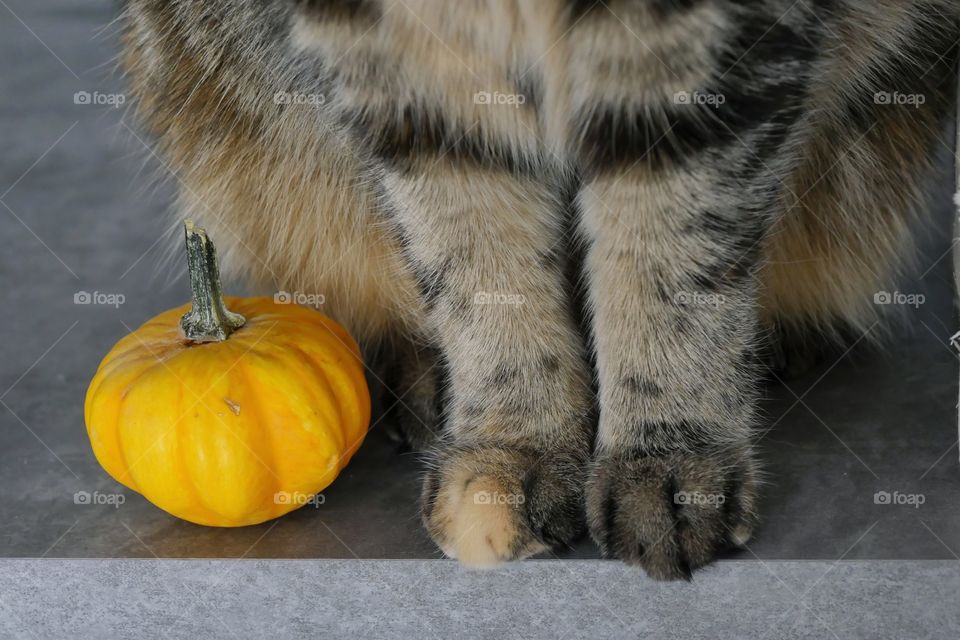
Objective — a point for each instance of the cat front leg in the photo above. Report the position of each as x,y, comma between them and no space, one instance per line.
506,480
675,329
682,153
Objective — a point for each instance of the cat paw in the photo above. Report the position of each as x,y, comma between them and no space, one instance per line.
671,513
488,505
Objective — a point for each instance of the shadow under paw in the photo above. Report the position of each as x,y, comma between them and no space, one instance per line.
488,505
672,513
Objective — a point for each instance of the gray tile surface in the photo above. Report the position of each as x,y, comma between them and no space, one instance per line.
82,211
436,599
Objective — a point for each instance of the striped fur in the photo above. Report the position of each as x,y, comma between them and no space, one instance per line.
711,172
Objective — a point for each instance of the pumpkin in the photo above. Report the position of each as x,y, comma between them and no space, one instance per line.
229,417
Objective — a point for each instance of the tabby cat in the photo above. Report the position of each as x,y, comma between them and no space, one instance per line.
577,223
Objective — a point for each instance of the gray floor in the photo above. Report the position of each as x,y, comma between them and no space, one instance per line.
82,211
414,599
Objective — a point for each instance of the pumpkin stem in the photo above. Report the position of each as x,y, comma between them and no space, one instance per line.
209,320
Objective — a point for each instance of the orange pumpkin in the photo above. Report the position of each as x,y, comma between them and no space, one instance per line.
228,419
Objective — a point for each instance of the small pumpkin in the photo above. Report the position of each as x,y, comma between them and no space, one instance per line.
228,417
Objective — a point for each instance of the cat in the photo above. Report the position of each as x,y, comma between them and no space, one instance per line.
572,226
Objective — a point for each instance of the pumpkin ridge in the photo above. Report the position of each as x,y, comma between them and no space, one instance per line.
121,353
164,322
211,508
121,446
260,424
180,460
321,375
343,337
124,461
90,402
354,390
357,382
137,355
145,369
